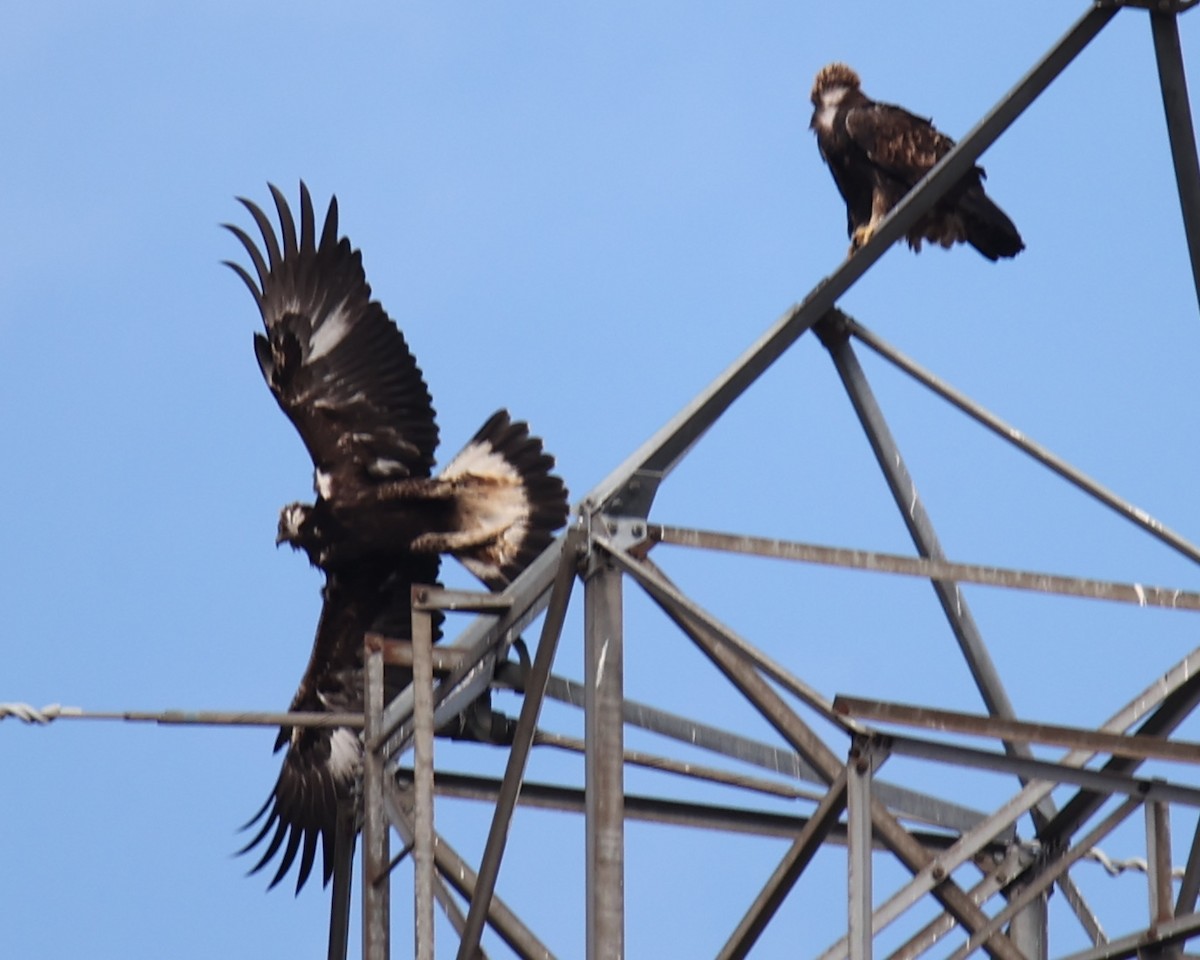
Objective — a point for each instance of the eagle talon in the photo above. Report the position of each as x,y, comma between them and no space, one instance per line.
861,237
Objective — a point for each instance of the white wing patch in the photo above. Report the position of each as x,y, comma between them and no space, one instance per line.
493,506
345,753
329,333
324,483
481,460
386,467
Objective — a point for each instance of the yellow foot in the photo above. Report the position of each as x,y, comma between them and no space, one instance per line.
860,236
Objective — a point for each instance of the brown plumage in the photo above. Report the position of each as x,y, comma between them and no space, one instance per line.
342,372
877,152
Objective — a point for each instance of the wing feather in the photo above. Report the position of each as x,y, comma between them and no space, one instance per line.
286,223
265,228
338,366
320,770
901,144
260,266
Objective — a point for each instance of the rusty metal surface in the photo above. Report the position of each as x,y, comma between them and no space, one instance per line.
784,877
422,687
603,763
859,772
870,560
716,643
518,756
903,802
1040,881
1147,702
457,873
678,813
1076,738
376,890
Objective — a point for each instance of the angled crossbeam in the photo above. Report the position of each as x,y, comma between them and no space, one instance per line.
1164,26
1045,877
903,802
717,643
514,774
784,877
631,487
1007,432
970,843
458,874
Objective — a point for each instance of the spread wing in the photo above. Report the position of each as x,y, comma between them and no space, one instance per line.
508,503
321,767
336,363
901,144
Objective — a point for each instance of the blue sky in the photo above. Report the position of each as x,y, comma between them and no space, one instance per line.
582,213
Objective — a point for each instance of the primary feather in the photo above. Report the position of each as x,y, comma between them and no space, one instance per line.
343,374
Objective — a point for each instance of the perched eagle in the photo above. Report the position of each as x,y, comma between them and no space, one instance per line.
877,152
341,371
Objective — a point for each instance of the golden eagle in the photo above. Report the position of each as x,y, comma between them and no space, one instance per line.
342,372
877,152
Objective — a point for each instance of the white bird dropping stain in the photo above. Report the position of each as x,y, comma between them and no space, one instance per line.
600,664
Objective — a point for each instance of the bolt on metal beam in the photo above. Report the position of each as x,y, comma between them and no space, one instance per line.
1076,738
1135,944
859,771
1045,877
1171,712
994,880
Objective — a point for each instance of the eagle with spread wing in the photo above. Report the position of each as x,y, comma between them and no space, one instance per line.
342,372
877,152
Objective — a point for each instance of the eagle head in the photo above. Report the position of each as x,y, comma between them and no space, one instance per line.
292,522
829,78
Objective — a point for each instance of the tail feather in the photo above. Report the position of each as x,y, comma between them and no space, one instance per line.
509,503
989,230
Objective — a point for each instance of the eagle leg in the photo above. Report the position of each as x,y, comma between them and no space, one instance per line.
860,237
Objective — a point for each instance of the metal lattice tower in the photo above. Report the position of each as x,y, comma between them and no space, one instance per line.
831,749
610,541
